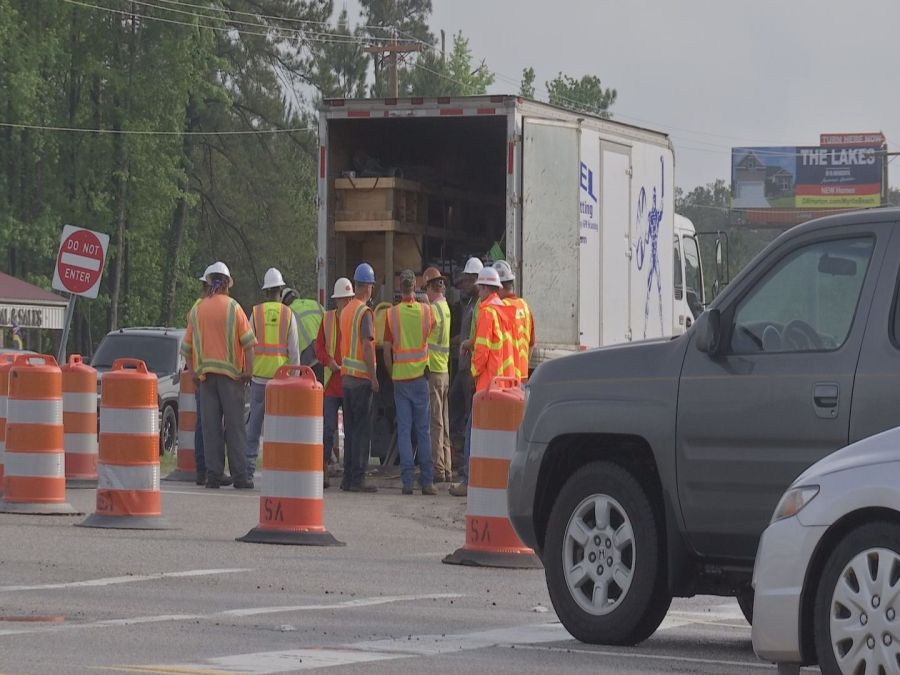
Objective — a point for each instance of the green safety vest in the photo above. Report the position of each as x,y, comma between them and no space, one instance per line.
439,339
309,315
410,324
272,322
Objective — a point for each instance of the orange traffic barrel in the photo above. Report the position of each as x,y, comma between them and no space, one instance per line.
79,386
6,361
490,539
34,477
291,507
186,465
128,468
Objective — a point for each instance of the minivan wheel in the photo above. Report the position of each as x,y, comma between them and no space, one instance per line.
168,431
602,558
857,610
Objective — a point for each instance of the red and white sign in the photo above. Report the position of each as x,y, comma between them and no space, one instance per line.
859,140
79,263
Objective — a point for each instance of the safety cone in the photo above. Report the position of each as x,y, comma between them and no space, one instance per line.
128,469
291,508
186,464
6,361
490,538
34,480
79,384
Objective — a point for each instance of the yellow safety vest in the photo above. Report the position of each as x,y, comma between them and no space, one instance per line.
309,315
439,339
329,329
410,324
272,323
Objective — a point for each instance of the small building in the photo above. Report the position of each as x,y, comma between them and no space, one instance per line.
32,309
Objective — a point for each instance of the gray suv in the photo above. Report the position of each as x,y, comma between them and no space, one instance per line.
160,349
650,470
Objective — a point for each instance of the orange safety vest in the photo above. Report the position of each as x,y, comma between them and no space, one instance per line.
352,362
522,336
494,354
410,324
329,329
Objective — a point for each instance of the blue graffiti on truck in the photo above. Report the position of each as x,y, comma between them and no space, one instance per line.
650,239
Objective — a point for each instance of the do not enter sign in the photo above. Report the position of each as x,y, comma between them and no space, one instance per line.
79,262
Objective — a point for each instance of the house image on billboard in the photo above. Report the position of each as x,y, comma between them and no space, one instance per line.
749,189
779,182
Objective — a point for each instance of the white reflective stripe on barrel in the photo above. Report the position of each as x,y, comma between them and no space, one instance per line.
187,403
487,502
292,484
492,444
129,420
80,444
293,429
79,402
35,464
25,411
116,477
185,440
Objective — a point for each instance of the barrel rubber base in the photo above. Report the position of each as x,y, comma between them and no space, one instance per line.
126,522
471,558
31,508
289,538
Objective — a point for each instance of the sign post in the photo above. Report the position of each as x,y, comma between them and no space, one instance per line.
78,270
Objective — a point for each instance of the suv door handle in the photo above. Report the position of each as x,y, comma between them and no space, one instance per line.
825,398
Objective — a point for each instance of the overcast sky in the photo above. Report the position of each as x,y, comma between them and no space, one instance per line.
711,73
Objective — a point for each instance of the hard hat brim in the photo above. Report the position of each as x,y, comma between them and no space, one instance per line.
341,296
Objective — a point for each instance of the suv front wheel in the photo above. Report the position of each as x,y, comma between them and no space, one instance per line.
168,431
602,558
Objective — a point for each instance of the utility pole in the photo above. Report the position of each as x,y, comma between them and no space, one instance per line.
390,51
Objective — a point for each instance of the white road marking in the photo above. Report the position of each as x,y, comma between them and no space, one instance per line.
637,656
111,581
249,611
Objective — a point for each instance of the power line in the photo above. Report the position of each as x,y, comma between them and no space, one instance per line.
148,132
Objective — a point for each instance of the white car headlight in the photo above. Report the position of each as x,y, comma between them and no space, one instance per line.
793,501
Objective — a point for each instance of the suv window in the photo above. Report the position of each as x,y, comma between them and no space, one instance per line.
806,303
694,276
159,353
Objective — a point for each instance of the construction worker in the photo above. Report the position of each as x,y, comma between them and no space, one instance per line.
219,342
492,354
328,352
409,324
439,374
462,388
309,315
277,345
358,378
523,337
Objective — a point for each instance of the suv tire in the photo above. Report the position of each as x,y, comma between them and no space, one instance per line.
168,431
858,573
598,603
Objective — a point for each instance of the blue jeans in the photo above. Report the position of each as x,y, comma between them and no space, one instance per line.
330,426
255,425
411,400
199,459
464,469
357,432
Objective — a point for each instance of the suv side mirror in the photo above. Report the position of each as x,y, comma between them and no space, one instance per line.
708,332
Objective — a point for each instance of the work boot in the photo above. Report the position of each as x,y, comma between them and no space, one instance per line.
429,490
213,483
407,490
226,480
363,487
201,478
459,490
243,485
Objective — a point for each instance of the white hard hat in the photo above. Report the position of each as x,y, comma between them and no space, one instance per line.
504,271
488,277
473,266
342,289
219,268
203,276
273,279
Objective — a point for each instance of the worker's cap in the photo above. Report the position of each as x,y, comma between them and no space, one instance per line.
407,280
273,279
488,277
473,266
342,289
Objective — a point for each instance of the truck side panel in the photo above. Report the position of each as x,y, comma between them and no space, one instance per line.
615,195
591,249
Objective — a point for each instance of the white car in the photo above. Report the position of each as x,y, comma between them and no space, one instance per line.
827,573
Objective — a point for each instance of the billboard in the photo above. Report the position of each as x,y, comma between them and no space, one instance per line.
831,177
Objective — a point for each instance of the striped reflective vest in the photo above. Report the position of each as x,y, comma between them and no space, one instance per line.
353,363
330,329
439,339
522,334
410,324
493,355
272,323
309,315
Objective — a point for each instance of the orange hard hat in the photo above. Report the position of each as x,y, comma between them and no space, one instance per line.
432,274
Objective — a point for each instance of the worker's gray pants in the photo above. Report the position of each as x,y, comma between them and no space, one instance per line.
222,412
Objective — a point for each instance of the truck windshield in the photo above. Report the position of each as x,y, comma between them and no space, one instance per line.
693,275
159,353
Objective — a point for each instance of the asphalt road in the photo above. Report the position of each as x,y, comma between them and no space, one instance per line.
193,600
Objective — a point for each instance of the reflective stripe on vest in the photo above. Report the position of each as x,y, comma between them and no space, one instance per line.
352,363
309,316
330,332
439,340
522,337
272,321
201,361
410,324
501,362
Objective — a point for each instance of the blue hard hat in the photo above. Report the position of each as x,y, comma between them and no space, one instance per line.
364,274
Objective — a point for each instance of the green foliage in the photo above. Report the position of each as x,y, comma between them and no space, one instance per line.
584,95
526,89
451,75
